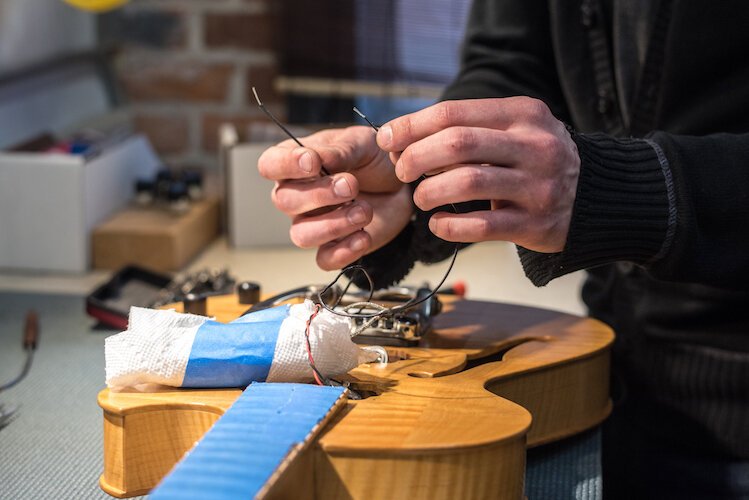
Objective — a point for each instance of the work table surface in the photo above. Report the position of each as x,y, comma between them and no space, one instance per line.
53,449
491,271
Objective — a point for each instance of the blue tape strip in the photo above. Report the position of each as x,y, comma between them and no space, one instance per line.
234,354
242,450
272,314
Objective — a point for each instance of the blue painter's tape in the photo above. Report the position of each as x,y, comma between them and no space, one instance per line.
234,354
272,314
242,450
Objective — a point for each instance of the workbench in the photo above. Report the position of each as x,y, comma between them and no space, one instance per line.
53,449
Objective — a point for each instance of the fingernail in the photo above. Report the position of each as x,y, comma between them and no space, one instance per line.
386,136
341,188
356,215
305,162
358,244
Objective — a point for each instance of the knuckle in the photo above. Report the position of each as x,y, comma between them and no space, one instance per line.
535,109
473,180
461,139
406,164
422,198
445,114
323,261
297,237
280,200
484,229
545,196
264,164
328,232
548,147
403,133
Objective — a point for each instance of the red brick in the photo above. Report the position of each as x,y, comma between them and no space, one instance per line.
176,81
212,122
263,78
240,31
169,133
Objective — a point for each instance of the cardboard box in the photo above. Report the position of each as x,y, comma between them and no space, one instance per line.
155,238
49,203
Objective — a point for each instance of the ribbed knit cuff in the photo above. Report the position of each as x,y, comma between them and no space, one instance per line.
624,209
391,263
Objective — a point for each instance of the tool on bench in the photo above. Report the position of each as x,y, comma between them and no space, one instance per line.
30,337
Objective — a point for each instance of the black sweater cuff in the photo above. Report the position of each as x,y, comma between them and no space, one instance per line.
387,265
391,263
623,210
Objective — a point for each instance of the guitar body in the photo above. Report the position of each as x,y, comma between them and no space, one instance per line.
451,418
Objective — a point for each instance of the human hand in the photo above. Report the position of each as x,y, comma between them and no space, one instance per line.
511,151
357,209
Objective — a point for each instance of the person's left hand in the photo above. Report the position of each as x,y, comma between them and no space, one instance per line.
510,151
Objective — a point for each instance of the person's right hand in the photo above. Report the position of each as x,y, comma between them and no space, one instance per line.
357,209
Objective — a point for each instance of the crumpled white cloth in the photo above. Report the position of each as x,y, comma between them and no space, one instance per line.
155,349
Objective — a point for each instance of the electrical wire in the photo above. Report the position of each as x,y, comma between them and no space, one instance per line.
30,337
275,120
380,311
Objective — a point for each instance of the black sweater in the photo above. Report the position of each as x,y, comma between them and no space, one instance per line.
662,199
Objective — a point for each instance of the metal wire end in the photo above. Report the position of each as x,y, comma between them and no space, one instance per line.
375,127
323,170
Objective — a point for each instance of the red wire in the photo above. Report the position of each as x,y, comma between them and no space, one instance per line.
309,347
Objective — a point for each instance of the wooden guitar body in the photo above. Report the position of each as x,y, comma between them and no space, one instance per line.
451,418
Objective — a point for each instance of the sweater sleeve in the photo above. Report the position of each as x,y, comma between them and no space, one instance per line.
673,204
507,52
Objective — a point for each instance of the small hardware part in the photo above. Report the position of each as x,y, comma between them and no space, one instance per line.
172,190
403,328
203,283
400,328
195,304
248,292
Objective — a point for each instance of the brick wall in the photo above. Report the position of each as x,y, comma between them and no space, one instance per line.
186,66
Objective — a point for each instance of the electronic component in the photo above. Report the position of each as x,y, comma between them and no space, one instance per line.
399,327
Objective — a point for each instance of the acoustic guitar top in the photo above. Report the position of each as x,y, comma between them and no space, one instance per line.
450,418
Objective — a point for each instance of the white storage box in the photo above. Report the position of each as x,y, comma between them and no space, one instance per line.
252,220
49,203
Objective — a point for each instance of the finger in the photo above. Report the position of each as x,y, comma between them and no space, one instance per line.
488,225
335,150
315,231
498,114
351,148
339,254
280,163
298,197
458,145
468,183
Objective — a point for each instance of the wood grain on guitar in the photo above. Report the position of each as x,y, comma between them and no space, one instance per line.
451,418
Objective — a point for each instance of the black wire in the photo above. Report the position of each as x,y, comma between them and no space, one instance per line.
282,127
358,267
24,371
375,127
412,302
